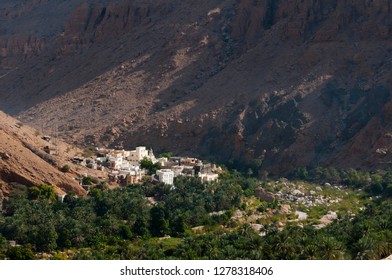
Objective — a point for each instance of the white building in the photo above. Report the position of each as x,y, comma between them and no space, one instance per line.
152,157
166,176
177,170
208,177
162,161
115,162
133,173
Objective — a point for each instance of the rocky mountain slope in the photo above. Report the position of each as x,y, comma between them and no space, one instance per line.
23,161
272,84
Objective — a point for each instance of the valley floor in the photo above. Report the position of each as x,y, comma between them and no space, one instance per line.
233,218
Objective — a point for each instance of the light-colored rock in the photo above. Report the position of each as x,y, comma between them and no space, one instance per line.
279,224
297,193
301,215
257,228
198,229
253,218
329,218
285,209
218,213
388,258
319,226
237,214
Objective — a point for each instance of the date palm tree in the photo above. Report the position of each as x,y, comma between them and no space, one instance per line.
330,248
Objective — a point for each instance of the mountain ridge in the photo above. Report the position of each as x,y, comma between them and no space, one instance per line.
273,85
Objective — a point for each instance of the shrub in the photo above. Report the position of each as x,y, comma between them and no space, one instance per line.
41,191
65,168
20,253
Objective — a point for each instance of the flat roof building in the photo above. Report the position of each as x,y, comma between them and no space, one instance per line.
166,176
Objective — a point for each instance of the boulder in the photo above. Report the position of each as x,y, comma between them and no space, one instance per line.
297,193
237,214
279,224
264,195
301,215
285,209
329,218
388,258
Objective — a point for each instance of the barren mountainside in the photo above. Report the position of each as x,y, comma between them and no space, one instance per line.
23,160
273,84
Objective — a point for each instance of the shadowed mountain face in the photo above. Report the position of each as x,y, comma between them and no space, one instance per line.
275,85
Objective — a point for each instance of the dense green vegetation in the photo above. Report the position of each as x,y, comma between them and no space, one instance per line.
366,237
151,167
192,221
375,183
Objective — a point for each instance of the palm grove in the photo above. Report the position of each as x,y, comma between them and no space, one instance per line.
156,221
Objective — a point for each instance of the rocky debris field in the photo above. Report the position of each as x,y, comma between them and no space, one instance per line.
281,202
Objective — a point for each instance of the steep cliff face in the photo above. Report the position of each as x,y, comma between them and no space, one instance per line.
332,113
317,20
93,23
34,27
272,84
17,50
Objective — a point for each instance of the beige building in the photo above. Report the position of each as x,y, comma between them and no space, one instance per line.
208,177
135,156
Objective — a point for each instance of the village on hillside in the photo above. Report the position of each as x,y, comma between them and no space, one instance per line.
131,167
